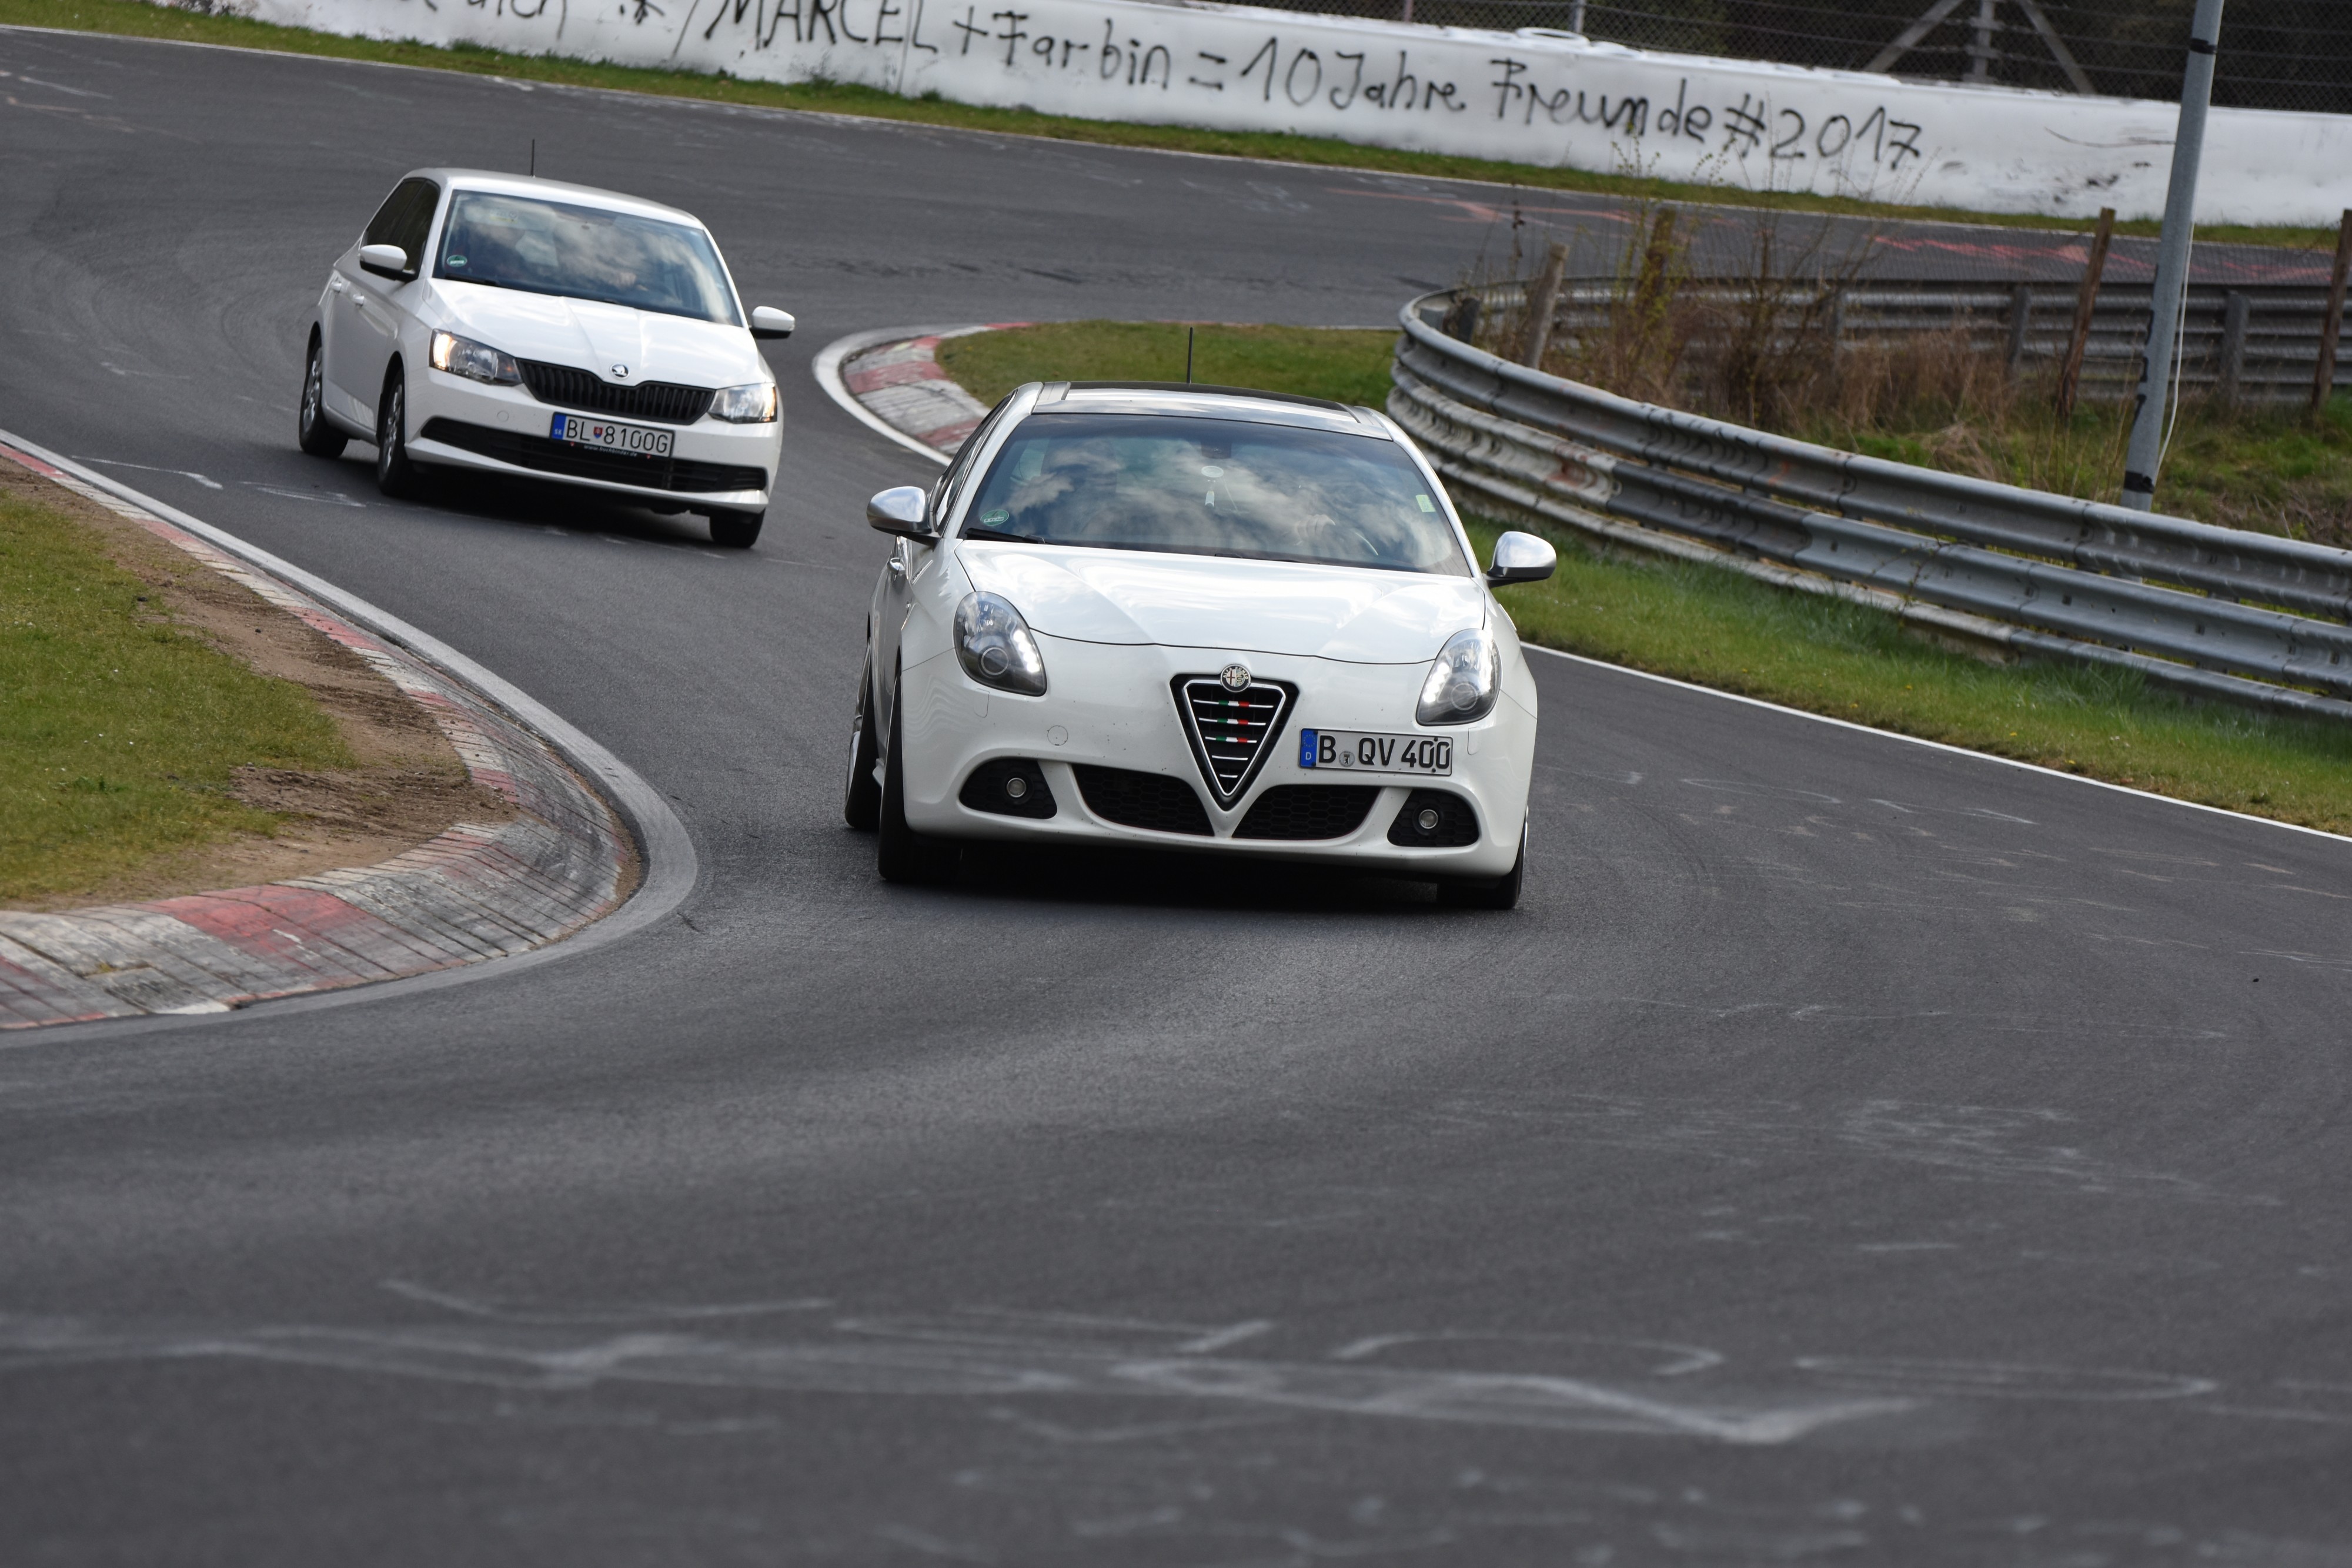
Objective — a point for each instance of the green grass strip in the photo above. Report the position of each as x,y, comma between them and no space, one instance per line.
1716,627
1347,367
135,19
119,733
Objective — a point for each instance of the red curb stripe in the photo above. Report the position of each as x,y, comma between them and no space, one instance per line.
863,381
947,435
296,927
29,460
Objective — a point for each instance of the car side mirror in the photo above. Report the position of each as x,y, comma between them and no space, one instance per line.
767,321
1521,558
904,510
385,261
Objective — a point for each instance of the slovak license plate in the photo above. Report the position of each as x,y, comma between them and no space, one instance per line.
1431,755
581,430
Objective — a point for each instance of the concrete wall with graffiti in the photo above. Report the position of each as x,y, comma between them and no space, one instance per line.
1523,97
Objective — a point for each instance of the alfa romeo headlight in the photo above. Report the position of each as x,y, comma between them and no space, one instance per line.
995,647
1464,683
474,361
753,405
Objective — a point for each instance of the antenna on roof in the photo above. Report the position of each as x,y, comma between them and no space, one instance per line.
534,156
1188,356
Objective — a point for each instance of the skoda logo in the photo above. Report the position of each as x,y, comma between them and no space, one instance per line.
1236,677
620,371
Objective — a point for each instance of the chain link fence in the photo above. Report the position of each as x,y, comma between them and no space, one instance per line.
2275,54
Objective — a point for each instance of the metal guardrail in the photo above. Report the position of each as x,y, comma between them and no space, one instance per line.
2244,343
2221,612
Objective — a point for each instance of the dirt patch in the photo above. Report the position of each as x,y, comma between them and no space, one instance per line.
408,788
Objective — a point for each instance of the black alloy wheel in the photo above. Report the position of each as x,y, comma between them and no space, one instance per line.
1489,893
311,430
861,797
736,530
900,854
396,475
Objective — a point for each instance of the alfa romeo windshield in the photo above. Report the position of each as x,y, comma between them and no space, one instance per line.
1214,486
585,253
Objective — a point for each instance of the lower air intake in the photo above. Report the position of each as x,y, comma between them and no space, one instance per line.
1434,820
1009,786
1309,811
1151,801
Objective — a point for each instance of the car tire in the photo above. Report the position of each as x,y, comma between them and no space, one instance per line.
311,430
396,475
736,530
1489,893
861,797
900,854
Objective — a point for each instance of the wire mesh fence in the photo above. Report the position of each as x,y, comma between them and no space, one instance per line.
2275,54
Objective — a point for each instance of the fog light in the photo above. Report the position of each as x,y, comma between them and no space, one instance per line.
1017,787
1427,821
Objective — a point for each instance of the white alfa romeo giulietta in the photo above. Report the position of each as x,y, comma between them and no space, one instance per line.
549,331
1197,618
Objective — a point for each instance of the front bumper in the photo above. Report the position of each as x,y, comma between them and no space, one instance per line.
461,424
1113,706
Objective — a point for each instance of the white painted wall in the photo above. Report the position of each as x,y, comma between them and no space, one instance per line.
1528,98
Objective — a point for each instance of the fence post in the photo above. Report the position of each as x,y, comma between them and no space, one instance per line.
2331,325
1461,322
2020,323
1543,304
2070,374
2236,307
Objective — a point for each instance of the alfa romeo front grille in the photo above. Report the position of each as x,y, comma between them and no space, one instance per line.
1135,799
1233,731
567,386
1309,811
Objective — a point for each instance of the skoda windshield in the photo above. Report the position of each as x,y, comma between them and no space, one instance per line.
1190,485
585,253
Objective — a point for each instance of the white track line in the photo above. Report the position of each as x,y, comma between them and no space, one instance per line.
670,864
1935,744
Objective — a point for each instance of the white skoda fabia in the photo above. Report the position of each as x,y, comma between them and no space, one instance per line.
1195,617
550,331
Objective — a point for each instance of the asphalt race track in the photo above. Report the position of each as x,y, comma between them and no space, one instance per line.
1848,1149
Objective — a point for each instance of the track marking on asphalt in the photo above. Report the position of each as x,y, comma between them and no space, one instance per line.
209,484
1935,744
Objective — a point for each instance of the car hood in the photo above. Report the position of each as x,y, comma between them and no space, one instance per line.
1208,602
593,336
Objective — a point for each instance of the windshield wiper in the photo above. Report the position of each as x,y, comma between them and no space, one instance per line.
973,531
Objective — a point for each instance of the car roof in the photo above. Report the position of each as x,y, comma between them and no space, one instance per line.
1203,401
554,190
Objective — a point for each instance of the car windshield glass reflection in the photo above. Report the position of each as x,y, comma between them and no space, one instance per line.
585,253
1214,486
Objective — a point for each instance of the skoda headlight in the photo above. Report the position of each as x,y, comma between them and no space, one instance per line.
995,647
753,404
1464,681
474,361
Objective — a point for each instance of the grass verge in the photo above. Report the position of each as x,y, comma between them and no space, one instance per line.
2277,471
119,732
1347,366
1716,628
135,19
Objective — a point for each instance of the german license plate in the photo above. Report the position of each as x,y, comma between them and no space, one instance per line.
581,430
1348,751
